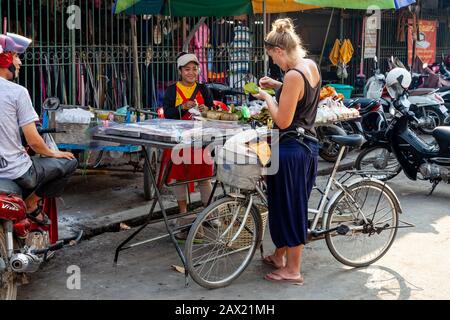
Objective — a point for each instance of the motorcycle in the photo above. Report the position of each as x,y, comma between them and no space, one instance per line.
432,161
431,110
25,245
418,159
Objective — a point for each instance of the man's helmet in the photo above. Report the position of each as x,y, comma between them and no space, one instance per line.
397,80
9,45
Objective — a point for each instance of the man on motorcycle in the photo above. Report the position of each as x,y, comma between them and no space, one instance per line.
43,176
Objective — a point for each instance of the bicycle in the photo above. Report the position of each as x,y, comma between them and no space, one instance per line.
347,221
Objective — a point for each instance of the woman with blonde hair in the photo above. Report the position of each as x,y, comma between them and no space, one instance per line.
289,189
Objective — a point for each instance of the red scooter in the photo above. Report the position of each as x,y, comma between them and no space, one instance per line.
24,245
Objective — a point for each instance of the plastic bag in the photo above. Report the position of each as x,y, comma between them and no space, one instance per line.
77,115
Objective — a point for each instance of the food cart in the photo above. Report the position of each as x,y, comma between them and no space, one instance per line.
167,134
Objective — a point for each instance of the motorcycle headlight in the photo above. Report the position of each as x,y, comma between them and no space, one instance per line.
392,111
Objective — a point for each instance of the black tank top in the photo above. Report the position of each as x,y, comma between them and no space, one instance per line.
306,111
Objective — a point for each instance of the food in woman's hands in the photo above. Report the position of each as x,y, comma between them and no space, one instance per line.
270,91
252,88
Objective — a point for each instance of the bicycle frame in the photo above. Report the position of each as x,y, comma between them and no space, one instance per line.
317,213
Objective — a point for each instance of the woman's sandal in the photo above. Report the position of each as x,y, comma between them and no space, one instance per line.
33,217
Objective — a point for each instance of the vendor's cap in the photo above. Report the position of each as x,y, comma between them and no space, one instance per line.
13,43
184,59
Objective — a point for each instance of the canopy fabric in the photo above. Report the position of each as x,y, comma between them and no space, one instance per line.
139,6
207,8
278,6
185,8
358,4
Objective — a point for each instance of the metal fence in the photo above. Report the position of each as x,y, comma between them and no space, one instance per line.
83,54
91,63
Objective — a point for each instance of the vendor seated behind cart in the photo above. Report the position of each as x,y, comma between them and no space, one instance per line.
179,98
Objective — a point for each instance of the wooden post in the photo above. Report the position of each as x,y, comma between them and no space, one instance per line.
136,75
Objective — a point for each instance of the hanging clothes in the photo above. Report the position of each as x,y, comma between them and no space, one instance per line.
403,17
200,42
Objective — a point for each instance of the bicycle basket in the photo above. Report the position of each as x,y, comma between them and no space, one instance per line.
233,173
245,238
237,165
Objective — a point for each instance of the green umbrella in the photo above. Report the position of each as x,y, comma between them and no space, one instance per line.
185,8
359,4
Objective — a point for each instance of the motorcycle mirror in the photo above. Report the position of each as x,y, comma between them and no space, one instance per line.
425,65
51,104
392,110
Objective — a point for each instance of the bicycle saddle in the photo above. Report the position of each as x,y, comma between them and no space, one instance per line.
353,140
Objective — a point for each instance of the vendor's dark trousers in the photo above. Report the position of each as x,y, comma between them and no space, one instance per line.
47,177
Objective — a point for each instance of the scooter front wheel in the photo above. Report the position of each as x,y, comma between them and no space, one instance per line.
379,163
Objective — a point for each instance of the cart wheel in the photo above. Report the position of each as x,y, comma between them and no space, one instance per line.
149,191
90,159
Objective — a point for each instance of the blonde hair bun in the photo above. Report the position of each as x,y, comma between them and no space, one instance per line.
283,25
283,35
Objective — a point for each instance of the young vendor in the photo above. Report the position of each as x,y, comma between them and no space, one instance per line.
179,98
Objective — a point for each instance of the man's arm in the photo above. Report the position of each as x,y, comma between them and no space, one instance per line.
38,145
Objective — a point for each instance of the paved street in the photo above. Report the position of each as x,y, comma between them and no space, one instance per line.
416,266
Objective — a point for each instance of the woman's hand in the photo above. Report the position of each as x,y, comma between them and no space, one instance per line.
262,95
188,105
269,83
203,108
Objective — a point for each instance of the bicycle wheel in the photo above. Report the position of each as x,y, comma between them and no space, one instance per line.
378,158
214,259
357,243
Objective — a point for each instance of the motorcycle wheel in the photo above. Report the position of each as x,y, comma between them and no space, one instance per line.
437,117
329,150
372,159
8,282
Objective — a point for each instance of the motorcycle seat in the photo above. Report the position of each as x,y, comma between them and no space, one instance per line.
443,89
421,91
366,104
442,134
353,140
10,187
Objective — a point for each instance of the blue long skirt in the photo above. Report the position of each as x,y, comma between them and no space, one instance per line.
289,191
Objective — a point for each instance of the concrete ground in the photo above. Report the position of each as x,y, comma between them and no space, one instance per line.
416,266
